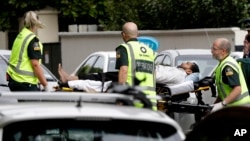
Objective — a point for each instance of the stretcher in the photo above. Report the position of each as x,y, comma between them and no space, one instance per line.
175,97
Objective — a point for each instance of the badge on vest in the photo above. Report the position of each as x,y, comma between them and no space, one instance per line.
36,47
118,55
229,71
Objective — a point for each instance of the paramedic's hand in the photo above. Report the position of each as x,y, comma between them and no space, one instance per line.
46,89
217,106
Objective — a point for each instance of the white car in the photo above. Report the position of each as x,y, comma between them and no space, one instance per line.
237,54
102,61
4,57
37,116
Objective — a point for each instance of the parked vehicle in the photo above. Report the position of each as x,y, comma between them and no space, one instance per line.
101,61
104,61
4,57
82,116
237,54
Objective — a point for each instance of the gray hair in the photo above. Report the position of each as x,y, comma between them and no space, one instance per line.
225,44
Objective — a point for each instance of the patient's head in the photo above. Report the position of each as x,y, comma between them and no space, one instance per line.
189,67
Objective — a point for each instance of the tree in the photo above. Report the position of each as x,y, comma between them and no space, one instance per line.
11,10
183,14
116,12
148,14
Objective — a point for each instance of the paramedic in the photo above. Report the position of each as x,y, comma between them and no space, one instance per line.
229,79
135,61
24,70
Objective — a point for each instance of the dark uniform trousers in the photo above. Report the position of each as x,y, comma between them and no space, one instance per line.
17,86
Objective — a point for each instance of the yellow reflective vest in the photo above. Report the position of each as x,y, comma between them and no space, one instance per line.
19,67
224,89
141,67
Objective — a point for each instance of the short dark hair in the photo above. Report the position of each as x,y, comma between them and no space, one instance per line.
195,67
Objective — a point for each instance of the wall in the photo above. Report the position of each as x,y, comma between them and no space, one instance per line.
3,40
77,46
49,17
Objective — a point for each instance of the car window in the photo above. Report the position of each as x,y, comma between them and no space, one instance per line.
86,67
206,63
167,61
159,59
163,60
98,66
87,130
48,75
111,65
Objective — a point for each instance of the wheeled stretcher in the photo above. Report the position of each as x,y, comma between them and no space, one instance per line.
175,97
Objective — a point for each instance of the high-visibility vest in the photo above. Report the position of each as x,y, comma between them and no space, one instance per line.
224,89
19,67
141,67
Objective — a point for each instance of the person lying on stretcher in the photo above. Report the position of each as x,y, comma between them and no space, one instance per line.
187,71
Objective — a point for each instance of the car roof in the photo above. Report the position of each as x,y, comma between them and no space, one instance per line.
5,51
237,54
187,51
109,53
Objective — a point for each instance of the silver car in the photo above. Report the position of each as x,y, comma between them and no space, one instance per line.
81,117
4,57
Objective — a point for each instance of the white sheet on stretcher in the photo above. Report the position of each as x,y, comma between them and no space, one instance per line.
181,88
89,85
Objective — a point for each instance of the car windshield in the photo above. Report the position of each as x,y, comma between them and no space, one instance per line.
206,63
87,130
